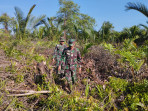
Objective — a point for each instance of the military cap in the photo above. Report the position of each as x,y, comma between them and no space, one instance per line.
62,39
71,42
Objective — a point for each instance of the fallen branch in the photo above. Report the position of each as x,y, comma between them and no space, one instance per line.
27,92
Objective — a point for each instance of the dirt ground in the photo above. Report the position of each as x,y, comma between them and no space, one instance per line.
97,66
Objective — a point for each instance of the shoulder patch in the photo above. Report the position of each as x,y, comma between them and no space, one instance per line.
77,49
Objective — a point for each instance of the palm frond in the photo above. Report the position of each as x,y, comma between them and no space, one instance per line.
146,27
38,21
19,14
45,23
59,23
51,20
137,6
28,15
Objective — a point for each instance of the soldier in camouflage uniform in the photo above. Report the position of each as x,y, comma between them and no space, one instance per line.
71,57
58,53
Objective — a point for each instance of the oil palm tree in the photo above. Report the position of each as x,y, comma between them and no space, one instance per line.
51,28
142,9
106,31
137,6
23,22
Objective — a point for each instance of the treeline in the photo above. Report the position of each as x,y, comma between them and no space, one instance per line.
71,23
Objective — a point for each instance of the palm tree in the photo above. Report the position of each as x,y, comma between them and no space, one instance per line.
106,31
51,28
137,6
23,22
142,9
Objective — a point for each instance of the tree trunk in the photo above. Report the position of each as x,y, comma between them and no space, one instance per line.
65,29
6,28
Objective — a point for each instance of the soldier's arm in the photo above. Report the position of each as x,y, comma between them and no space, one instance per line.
79,58
62,61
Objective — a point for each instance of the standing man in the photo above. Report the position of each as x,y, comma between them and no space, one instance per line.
58,53
71,57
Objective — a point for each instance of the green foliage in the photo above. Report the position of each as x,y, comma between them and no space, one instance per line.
39,58
118,85
19,78
137,96
11,103
79,26
134,95
128,53
2,84
85,49
87,90
1,100
23,22
11,68
75,24
133,61
19,105
106,32
45,83
109,47
107,96
6,21
61,101
138,7
128,44
10,49
101,92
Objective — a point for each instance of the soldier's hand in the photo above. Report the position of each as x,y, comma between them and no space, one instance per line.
53,60
79,70
59,68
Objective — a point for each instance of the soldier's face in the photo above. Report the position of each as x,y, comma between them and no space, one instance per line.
61,42
72,46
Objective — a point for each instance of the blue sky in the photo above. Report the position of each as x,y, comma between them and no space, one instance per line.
101,10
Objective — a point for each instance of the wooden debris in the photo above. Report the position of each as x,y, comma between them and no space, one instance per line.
26,92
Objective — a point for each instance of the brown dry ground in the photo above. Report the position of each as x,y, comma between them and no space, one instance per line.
97,66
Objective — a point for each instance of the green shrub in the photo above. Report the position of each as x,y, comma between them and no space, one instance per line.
39,58
118,85
19,78
136,96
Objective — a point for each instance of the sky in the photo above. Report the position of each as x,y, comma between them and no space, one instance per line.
101,10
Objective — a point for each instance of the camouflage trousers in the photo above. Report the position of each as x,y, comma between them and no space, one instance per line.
59,73
70,74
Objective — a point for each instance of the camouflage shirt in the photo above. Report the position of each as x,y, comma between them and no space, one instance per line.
71,57
58,51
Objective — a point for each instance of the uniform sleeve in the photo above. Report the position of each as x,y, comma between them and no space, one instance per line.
55,52
65,46
62,62
79,57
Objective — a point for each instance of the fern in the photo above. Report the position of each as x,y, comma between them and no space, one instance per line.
85,49
129,44
133,61
109,47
